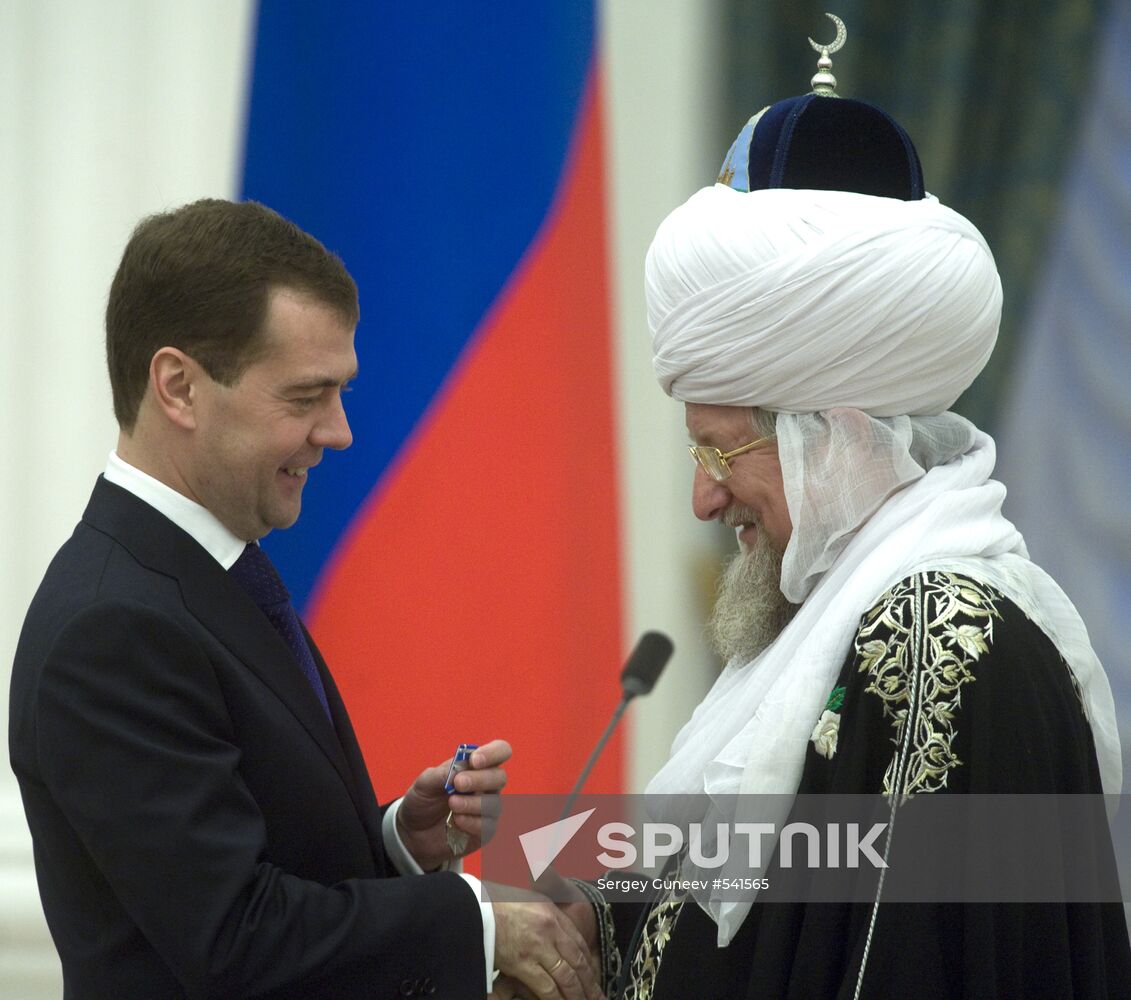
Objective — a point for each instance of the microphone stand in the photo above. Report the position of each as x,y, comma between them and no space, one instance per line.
625,699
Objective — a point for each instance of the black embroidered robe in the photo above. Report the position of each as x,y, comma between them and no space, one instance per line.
948,688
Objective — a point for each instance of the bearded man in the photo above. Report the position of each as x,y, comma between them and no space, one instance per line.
818,314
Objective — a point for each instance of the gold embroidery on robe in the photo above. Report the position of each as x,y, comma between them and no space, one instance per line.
657,932
919,645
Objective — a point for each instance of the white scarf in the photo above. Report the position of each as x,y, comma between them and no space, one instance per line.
751,733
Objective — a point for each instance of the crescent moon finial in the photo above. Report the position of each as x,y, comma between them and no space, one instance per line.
837,43
824,82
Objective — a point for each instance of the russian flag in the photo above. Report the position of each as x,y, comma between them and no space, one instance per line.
459,564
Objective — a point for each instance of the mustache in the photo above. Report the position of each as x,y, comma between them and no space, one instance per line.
738,515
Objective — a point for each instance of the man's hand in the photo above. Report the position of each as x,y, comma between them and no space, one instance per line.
572,902
424,809
540,953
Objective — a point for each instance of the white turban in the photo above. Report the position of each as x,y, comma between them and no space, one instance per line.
800,301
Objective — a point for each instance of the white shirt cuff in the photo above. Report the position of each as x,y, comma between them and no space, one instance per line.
488,915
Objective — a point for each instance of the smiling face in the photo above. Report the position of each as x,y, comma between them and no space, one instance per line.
753,498
253,442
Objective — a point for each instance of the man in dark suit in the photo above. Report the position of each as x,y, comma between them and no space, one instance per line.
202,817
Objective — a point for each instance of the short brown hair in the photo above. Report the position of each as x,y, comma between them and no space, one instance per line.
197,278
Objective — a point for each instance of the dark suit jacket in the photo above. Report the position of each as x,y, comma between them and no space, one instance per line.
200,829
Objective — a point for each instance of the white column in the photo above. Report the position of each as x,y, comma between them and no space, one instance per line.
110,110
662,66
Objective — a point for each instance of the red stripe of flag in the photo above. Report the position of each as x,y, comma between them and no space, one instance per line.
477,595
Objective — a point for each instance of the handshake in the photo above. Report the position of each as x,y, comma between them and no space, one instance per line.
543,949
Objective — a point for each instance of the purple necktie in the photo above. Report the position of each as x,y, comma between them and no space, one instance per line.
255,572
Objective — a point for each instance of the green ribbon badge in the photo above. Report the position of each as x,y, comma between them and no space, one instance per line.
836,699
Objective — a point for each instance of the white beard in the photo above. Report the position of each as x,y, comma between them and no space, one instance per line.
750,609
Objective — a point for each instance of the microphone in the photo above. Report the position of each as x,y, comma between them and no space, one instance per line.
645,664
641,671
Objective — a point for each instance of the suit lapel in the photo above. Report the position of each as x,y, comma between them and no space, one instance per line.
224,609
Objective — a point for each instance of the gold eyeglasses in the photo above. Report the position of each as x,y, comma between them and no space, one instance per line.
714,462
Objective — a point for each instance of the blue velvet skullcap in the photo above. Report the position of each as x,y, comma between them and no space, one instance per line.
827,144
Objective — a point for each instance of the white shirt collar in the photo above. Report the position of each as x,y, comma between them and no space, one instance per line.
186,514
